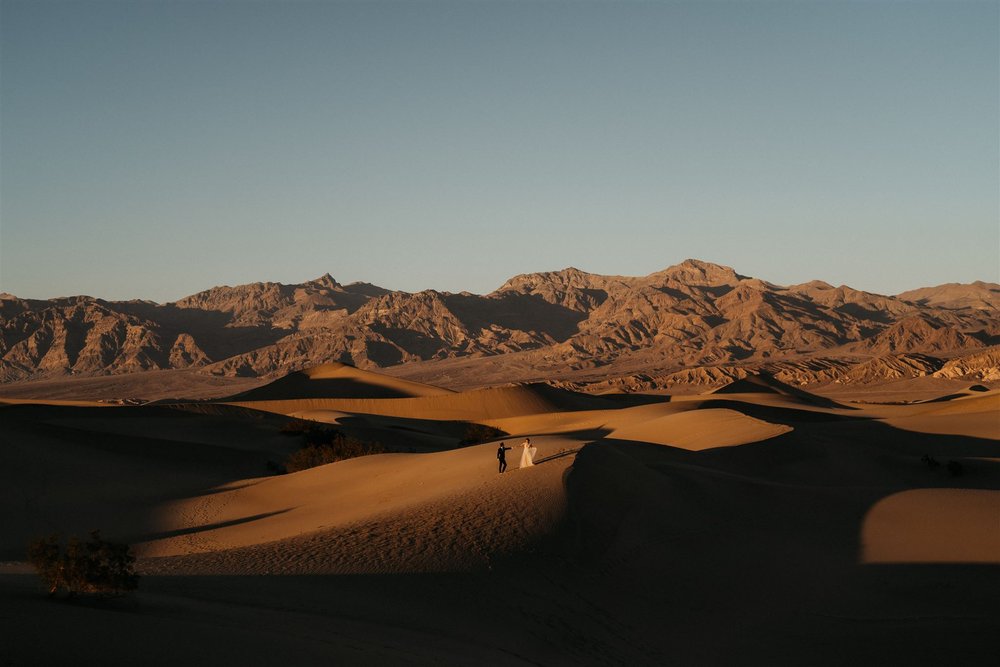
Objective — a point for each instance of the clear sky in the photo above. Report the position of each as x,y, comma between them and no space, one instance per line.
154,149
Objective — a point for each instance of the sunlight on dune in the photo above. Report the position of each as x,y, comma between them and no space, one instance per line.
933,526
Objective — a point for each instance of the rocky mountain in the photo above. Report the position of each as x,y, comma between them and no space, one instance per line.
982,366
669,324
953,296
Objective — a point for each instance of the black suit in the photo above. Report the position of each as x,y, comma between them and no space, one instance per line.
502,457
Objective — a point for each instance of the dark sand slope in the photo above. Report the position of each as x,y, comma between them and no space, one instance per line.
766,383
73,469
764,552
749,528
147,385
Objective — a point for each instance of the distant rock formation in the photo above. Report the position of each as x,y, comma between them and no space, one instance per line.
983,366
695,322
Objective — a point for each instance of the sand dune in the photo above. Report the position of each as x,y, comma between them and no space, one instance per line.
365,489
52,401
765,383
968,404
415,519
692,425
748,385
336,496
934,526
148,385
971,390
72,469
731,528
325,416
701,429
492,403
337,380
976,415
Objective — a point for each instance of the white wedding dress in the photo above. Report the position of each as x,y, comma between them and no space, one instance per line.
527,454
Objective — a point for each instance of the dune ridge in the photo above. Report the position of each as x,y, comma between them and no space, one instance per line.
490,403
746,526
337,380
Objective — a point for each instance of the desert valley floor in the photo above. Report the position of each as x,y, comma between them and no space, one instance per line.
757,524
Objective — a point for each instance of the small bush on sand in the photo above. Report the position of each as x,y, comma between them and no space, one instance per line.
956,469
295,427
322,446
92,566
930,461
479,433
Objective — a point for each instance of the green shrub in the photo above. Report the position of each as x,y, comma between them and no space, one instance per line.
92,566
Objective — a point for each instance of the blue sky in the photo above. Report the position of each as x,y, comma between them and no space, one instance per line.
153,149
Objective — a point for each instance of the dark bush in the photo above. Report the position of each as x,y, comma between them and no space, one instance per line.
295,427
320,435
930,461
94,566
955,468
322,446
478,433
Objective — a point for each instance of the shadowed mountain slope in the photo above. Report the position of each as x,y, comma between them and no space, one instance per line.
690,315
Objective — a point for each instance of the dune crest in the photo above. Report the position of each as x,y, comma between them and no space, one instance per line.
337,380
696,430
765,383
475,405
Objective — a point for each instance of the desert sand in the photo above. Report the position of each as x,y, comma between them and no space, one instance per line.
755,525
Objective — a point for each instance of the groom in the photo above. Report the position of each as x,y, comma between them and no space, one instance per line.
502,456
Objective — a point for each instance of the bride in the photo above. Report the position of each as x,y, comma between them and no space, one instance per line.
527,453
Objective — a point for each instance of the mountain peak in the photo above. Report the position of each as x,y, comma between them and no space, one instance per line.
690,314
568,277
325,281
812,285
978,295
698,272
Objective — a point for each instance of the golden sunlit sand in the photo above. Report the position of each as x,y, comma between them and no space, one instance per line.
743,526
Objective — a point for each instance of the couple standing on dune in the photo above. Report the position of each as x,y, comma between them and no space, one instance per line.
527,454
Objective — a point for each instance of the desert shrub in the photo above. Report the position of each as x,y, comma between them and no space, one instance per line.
320,435
295,427
92,566
955,468
930,461
477,433
322,446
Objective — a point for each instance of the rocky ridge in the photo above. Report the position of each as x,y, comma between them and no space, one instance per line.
695,322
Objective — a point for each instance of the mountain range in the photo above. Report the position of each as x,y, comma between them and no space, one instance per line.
695,318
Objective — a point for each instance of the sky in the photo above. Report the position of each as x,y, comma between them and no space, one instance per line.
154,149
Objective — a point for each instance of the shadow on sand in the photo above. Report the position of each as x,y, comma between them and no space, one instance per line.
208,526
